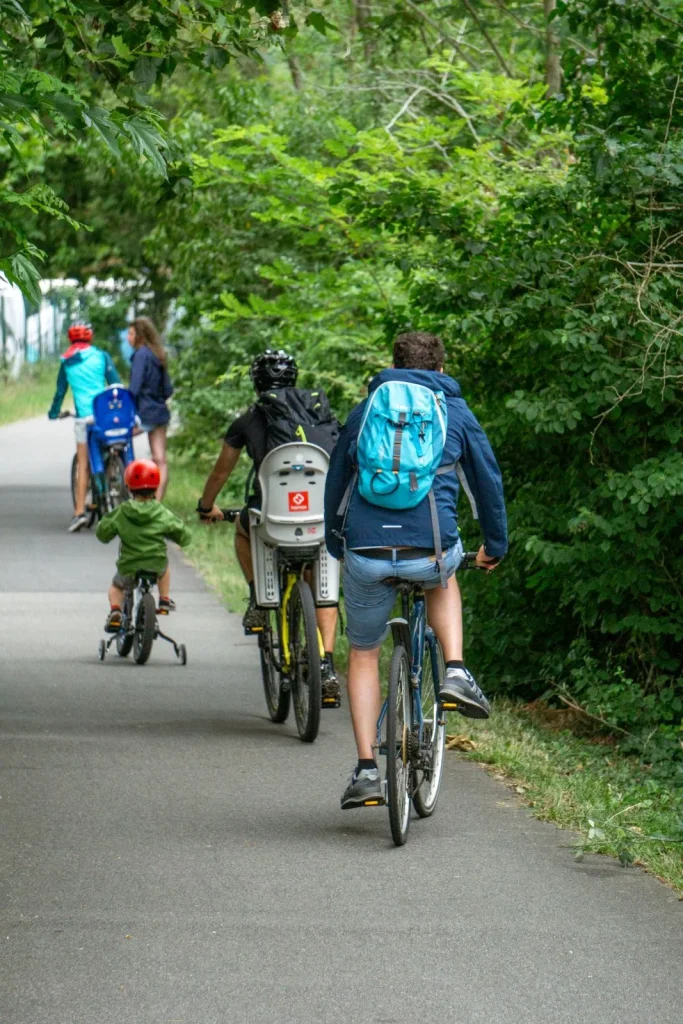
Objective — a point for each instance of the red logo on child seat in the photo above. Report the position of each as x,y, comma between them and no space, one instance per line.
298,501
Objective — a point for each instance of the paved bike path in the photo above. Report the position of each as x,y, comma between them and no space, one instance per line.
168,856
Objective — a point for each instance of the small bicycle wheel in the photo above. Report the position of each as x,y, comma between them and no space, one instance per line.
427,777
145,627
278,696
182,654
101,650
90,507
399,721
124,641
115,489
305,661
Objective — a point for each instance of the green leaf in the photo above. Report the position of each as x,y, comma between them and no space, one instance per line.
318,21
147,141
20,270
145,71
121,48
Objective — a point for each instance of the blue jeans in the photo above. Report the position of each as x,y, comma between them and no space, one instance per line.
369,599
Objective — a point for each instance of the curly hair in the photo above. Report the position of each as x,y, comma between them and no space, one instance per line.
146,332
417,350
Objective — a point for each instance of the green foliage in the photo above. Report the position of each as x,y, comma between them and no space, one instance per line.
83,72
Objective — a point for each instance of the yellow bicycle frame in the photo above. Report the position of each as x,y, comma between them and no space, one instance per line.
284,626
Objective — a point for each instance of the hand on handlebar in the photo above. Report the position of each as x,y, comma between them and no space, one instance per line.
213,516
484,561
64,415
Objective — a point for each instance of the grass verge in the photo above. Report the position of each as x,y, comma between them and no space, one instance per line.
30,394
613,802
211,550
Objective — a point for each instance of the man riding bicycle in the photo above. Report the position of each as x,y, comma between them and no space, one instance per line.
269,372
425,546
87,371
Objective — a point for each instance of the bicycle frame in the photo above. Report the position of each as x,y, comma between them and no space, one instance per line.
413,633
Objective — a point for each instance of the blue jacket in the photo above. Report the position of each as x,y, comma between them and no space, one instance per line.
369,526
87,371
150,386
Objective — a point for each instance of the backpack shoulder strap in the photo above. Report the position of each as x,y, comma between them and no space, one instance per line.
464,483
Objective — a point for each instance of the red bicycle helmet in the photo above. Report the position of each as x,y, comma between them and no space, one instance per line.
80,332
141,475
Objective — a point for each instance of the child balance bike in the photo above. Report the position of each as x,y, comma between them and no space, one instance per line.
139,624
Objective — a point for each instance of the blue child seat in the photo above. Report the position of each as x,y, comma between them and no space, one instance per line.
114,412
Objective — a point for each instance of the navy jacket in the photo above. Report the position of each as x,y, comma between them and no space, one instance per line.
369,526
150,386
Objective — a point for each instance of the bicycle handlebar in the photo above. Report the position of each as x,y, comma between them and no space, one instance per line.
470,562
230,515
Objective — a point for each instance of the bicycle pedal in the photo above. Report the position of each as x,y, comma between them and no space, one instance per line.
373,803
163,611
449,705
252,630
331,702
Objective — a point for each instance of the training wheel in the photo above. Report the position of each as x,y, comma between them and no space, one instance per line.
182,654
101,650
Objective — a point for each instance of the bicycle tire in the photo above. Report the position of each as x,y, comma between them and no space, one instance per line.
145,628
124,641
399,722
115,489
90,508
427,781
278,698
306,679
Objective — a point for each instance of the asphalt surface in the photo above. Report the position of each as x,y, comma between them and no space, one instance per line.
169,856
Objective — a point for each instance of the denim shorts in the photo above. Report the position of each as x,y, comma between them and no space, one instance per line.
369,600
81,429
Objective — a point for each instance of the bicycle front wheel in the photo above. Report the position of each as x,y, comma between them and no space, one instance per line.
305,661
124,641
277,696
399,725
427,777
145,628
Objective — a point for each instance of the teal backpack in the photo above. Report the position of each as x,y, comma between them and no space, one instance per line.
400,444
399,451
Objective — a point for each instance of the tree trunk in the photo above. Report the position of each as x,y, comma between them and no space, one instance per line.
295,69
553,68
362,17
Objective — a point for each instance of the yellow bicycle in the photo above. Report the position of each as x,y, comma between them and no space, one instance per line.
291,647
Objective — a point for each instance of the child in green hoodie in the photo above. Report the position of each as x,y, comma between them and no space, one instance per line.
142,525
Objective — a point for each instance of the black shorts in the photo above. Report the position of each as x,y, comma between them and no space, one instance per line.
252,502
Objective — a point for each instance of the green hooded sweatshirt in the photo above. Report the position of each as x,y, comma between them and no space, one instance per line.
142,527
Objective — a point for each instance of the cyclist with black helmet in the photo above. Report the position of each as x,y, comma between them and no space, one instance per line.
270,372
87,370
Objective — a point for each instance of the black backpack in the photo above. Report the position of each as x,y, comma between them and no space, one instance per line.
294,414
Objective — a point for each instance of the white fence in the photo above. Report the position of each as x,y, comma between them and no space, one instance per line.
28,335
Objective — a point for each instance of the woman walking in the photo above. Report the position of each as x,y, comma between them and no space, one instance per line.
151,387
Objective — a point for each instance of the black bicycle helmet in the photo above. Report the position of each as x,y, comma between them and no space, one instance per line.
273,370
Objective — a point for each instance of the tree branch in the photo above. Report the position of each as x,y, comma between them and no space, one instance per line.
489,39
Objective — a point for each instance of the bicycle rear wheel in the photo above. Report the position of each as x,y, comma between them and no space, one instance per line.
90,507
277,697
116,491
399,722
427,778
145,628
305,661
